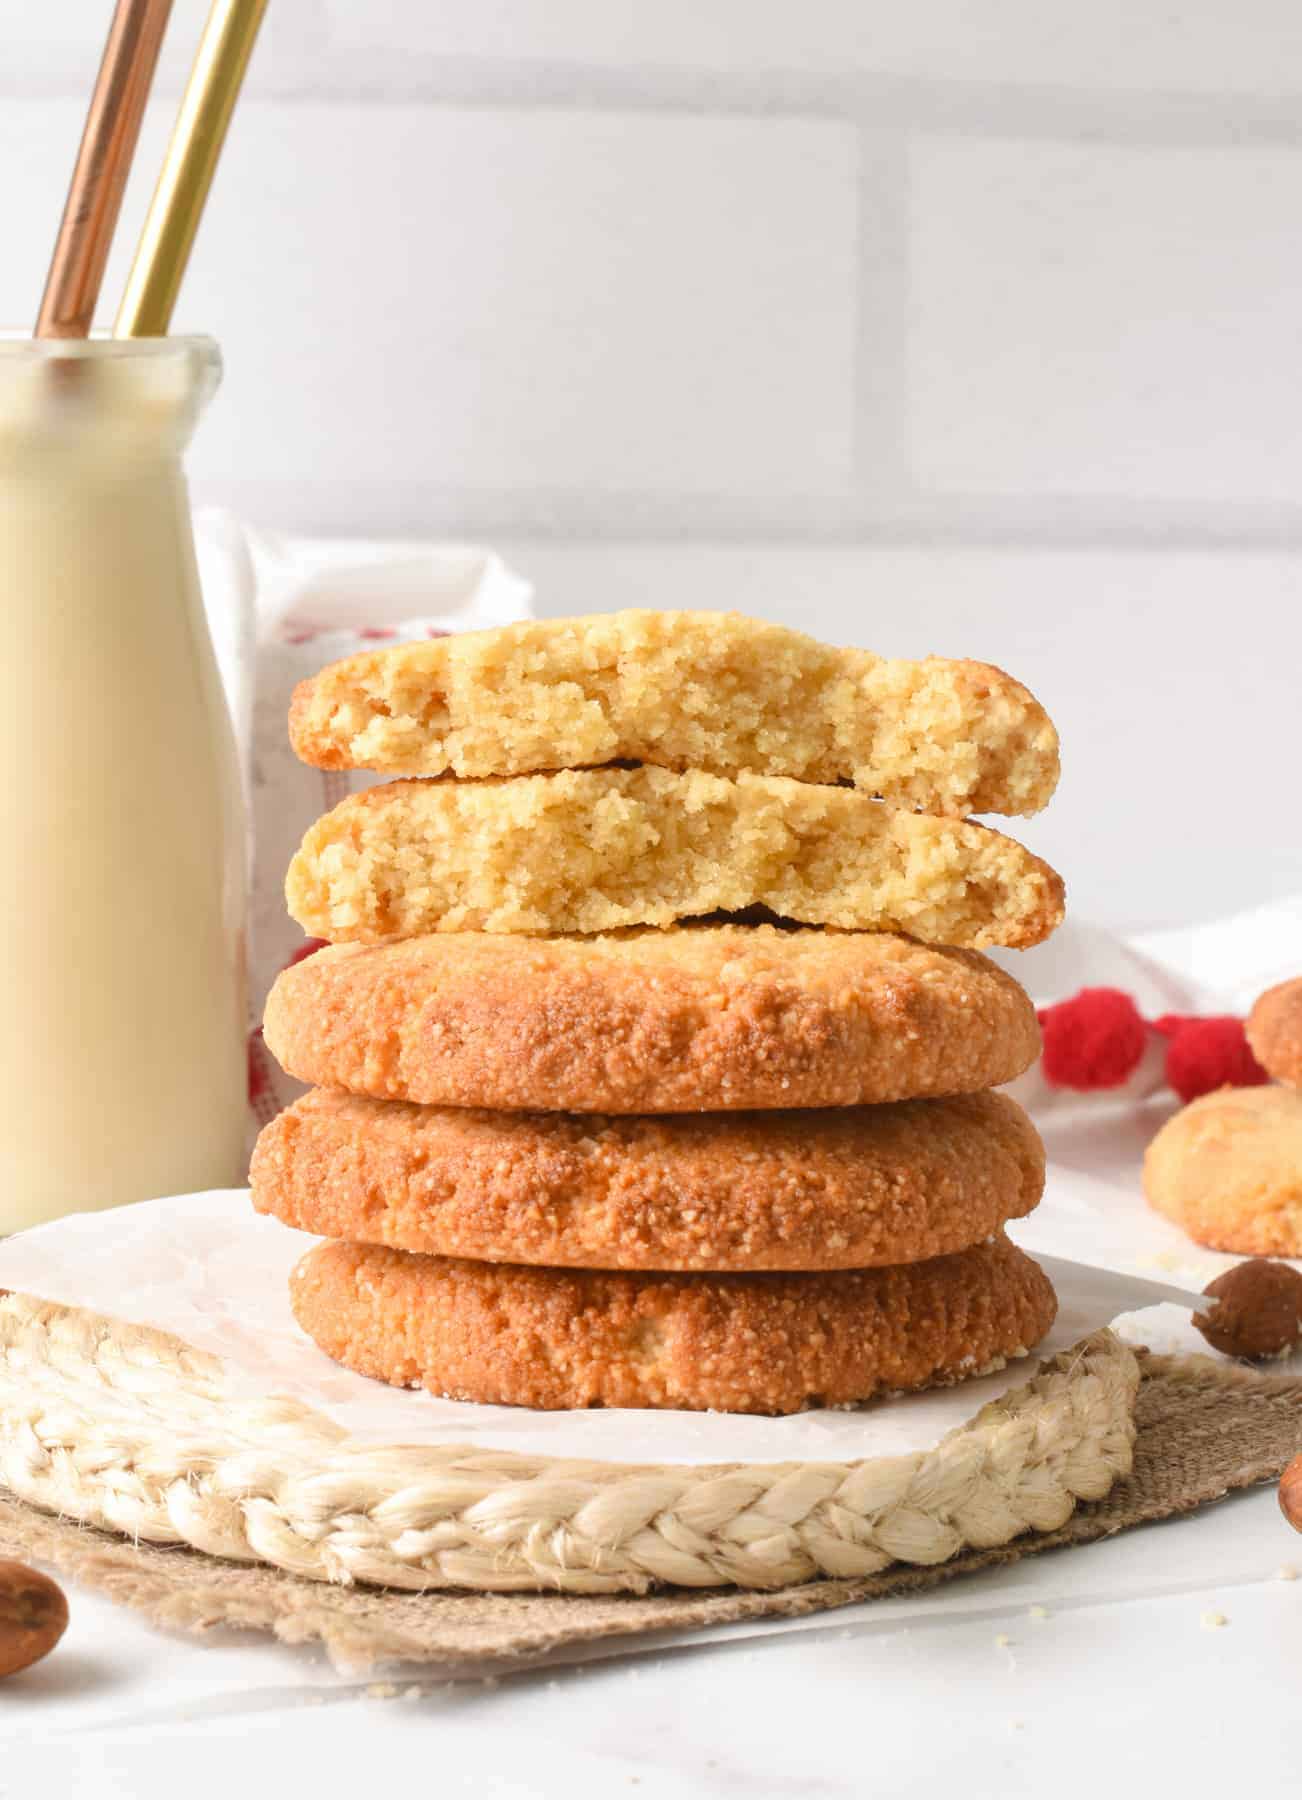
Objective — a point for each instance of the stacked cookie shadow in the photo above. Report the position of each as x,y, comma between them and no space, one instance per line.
653,1047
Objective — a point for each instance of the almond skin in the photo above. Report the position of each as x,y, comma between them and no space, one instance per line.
33,1616
1290,1493
1257,1311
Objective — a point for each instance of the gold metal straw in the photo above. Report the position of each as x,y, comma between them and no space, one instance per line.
197,139
99,176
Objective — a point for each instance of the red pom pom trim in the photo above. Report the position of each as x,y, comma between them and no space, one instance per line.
1206,1054
1094,1040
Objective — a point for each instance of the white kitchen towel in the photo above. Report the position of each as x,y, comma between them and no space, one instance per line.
279,609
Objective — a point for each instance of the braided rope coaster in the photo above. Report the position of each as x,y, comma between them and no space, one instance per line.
129,1429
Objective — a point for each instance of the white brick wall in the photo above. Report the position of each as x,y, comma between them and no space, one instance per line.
1199,46
953,326
731,266
558,303
1126,314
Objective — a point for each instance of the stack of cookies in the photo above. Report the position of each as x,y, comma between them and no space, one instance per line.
653,1045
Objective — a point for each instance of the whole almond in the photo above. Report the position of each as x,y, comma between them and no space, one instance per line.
1290,1493
33,1616
1256,1310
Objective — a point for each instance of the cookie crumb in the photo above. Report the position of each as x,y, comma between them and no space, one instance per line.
1212,1621
1037,1612
1286,1572
1002,1641
381,1690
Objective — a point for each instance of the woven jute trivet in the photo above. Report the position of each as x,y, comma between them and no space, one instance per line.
1204,1429
130,1429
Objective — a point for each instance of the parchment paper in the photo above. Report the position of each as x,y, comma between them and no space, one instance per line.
209,1269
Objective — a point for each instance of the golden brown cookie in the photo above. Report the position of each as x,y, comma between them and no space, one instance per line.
712,691
1228,1170
1274,1030
855,1187
552,1338
718,1018
598,849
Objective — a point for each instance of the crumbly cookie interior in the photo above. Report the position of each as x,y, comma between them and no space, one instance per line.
711,691
595,850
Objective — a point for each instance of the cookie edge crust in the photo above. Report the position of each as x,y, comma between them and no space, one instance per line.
540,1190
556,1340
526,1029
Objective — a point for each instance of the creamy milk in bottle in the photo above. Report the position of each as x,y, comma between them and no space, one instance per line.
122,1062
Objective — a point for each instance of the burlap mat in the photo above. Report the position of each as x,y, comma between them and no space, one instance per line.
1205,1428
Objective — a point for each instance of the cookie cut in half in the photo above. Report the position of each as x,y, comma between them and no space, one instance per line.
855,1187
597,849
711,691
555,1338
716,1018
1274,1030
1227,1169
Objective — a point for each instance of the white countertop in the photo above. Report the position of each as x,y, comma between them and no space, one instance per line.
901,1696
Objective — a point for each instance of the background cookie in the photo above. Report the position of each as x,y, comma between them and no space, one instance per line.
552,1338
711,691
692,1019
845,1189
1274,1029
600,849
1228,1170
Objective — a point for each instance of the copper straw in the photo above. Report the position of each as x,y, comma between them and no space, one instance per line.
187,173
99,178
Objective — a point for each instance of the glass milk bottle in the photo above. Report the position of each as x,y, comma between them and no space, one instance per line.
122,1010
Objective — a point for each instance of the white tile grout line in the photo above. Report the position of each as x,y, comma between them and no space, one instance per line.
1052,111
892,516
